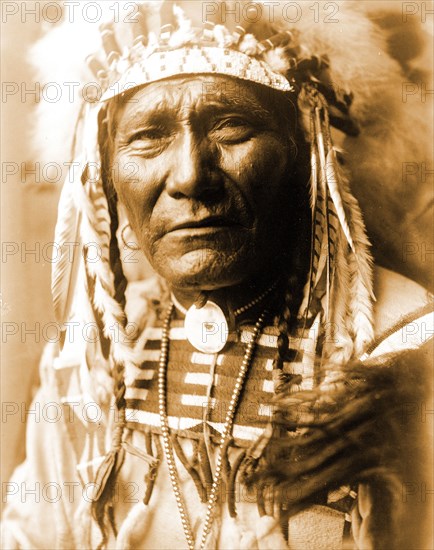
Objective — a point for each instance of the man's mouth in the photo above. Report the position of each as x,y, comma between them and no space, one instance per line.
203,224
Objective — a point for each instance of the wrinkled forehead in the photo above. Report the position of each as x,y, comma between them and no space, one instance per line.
201,93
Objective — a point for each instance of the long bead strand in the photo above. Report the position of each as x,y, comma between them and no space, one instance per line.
227,429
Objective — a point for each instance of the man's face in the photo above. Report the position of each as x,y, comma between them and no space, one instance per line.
202,166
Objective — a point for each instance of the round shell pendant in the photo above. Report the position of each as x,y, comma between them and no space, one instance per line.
206,328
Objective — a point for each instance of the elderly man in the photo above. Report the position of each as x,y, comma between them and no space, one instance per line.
215,140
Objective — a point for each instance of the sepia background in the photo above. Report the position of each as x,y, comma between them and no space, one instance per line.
400,223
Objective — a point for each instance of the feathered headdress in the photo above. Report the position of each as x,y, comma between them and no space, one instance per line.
165,39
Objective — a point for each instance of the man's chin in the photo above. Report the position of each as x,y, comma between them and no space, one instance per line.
205,268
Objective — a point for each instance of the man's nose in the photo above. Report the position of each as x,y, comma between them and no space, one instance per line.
191,174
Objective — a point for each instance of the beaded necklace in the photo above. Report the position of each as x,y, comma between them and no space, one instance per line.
226,433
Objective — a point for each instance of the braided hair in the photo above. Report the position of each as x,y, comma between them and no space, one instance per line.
102,508
296,257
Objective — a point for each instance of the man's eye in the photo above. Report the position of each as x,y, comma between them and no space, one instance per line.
150,134
233,122
233,130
